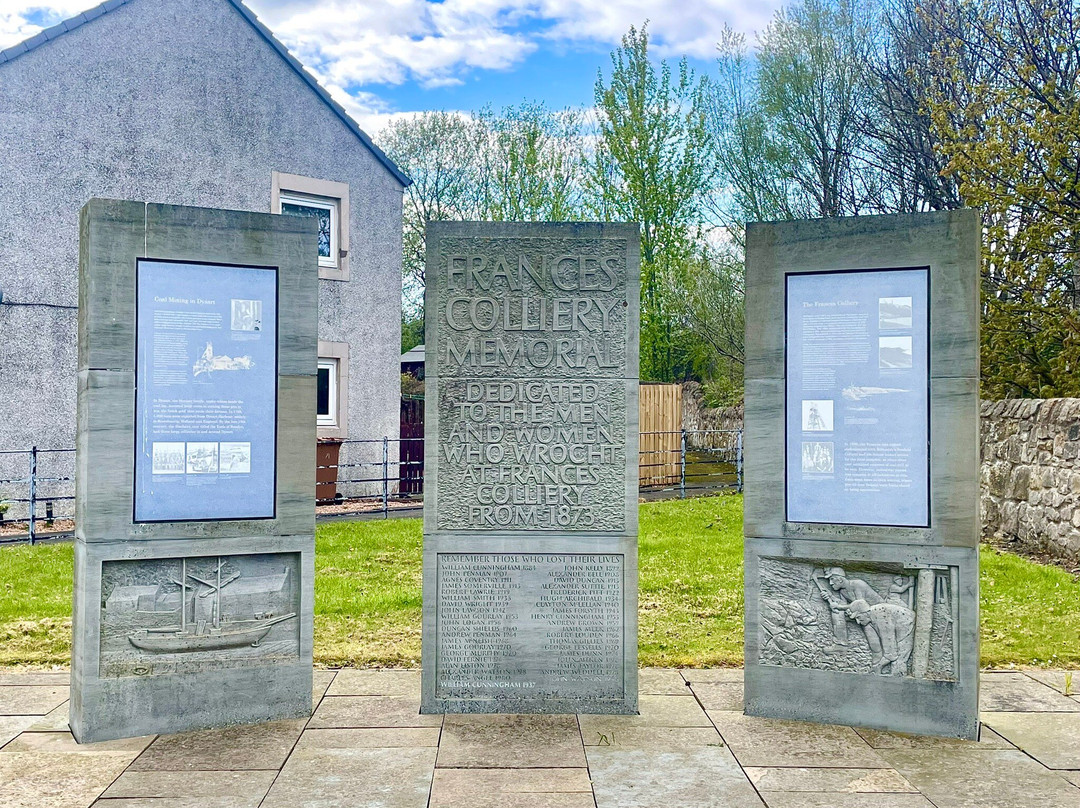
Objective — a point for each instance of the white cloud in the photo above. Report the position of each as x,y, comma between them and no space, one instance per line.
354,43
15,15
435,44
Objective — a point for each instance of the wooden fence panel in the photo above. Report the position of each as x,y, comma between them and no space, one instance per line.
660,422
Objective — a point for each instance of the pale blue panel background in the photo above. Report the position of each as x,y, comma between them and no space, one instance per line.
173,497
902,417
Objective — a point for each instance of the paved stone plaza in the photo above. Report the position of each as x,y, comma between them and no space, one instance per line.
367,745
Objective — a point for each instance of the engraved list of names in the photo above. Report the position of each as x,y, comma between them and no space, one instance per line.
530,512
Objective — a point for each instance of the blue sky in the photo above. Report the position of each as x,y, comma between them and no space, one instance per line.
384,58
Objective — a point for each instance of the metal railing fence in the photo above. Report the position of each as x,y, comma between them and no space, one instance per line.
32,482
370,476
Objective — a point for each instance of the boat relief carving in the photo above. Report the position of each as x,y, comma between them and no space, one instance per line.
181,614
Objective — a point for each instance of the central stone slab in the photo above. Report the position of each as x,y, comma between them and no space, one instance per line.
530,510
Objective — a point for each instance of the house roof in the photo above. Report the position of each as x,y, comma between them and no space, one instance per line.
17,50
413,354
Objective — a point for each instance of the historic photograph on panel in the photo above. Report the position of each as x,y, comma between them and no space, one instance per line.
817,416
168,457
235,458
894,313
185,614
883,619
817,457
202,458
894,352
246,315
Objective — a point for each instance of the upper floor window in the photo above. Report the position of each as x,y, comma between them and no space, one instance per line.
328,203
326,212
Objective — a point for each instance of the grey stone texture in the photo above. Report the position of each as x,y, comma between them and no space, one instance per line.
890,640
117,691
530,507
178,102
1031,473
537,761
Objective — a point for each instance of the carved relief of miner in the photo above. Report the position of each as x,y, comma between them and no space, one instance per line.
892,621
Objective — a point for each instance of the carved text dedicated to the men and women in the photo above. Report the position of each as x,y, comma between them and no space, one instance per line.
531,383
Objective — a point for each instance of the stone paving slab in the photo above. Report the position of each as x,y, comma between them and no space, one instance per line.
368,747
54,721
707,776
790,799
603,730
240,748
511,741
31,699
371,711
719,695
320,682
660,711
1053,739
976,778
1017,692
772,742
661,682
511,788
31,678
1057,680
838,780
12,725
697,676
168,789
378,682
50,770
883,739
351,778
370,738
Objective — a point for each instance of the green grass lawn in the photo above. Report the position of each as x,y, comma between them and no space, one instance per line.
367,595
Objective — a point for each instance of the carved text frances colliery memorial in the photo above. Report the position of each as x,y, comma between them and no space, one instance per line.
530,511
862,507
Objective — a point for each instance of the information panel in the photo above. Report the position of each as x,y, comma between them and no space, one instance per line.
206,392
857,416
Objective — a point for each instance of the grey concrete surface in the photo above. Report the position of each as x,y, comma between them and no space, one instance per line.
541,761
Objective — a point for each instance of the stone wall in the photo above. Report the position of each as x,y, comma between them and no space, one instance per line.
1031,473
698,419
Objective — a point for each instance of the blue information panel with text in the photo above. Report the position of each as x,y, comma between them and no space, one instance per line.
857,411
205,392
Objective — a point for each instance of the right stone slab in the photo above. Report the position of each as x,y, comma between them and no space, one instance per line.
861,512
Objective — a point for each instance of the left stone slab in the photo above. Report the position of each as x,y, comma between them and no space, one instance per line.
195,518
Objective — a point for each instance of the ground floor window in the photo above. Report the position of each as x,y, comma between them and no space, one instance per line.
327,393
332,390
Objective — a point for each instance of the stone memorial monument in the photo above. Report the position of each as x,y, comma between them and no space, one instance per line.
862,472
195,517
530,505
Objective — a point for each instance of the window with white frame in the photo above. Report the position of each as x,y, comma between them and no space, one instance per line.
325,201
327,393
325,212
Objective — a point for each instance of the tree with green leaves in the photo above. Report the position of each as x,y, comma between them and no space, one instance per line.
533,164
786,120
440,152
1005,107
650,164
